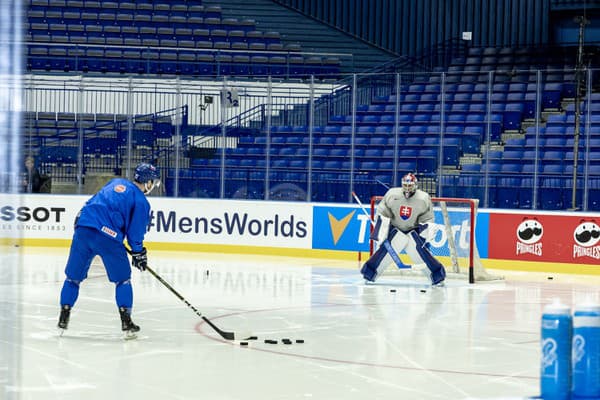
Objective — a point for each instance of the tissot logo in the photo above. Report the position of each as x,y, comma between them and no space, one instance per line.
340,228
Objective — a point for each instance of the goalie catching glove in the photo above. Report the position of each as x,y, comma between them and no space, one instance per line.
139,259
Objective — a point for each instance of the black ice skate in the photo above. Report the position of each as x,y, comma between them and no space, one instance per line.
127,324
63,320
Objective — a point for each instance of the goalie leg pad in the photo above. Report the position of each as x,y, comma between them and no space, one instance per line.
419,252
396,244
375,265
385,255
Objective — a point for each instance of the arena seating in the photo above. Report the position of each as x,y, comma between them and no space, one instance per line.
175,37
475,113
56,137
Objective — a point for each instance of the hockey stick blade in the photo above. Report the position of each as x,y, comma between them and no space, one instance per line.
224,334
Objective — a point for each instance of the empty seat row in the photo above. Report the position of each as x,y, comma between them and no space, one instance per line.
180,8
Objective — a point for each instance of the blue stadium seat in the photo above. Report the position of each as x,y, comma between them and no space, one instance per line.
550,198
470,187
594,192
511,169
471,168
507,192
451,151
427,161
551,95
406,166
512,116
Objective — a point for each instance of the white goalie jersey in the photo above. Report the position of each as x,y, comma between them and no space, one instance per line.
406,213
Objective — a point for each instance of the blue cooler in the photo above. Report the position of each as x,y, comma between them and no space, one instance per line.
586,351
557,330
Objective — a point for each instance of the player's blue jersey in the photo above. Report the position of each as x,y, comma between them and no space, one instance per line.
119,210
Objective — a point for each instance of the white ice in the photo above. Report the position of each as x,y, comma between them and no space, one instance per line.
360,341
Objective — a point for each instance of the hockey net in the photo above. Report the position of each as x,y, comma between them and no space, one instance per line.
453,240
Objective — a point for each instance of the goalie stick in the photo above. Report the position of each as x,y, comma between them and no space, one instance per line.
386,243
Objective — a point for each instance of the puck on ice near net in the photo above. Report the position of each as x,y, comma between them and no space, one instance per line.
243,343
393,290
269,341
423,291
299,340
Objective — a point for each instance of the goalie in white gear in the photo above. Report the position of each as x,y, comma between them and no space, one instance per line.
402,223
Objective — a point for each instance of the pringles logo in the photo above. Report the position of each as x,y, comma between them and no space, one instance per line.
586,236
529,235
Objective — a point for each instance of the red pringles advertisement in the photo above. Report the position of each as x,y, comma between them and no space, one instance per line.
545,237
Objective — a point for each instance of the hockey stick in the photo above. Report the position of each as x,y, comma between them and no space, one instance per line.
382,184
224,334
386,242
363,208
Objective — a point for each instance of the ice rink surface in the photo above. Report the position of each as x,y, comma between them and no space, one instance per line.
397,339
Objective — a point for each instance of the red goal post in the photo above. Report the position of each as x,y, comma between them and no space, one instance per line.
453,238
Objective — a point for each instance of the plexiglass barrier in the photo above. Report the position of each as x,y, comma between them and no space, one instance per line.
512,138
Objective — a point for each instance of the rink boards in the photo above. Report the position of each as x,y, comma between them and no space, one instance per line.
507,239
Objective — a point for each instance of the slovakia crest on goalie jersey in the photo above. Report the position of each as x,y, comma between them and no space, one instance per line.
405,212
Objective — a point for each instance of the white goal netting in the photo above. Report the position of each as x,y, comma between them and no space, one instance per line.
453,241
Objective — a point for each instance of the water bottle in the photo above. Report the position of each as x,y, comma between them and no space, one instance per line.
557,331
586,350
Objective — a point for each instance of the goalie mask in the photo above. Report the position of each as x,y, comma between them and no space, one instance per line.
148,175
409,185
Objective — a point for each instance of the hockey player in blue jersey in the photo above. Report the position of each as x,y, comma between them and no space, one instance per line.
117,212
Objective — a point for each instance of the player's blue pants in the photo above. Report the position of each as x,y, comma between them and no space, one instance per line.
88,243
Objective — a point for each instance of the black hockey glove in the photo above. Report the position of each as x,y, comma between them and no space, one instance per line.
140,259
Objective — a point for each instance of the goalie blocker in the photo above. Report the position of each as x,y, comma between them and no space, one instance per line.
407,211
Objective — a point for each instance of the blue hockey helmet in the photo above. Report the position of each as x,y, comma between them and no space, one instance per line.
148,175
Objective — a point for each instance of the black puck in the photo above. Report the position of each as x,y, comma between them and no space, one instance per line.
423,291
243,343
286,341
393,290
299,340
269,341
550,278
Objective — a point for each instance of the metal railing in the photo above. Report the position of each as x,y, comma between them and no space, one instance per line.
468,133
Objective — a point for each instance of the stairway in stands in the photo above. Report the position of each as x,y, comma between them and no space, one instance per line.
312,35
